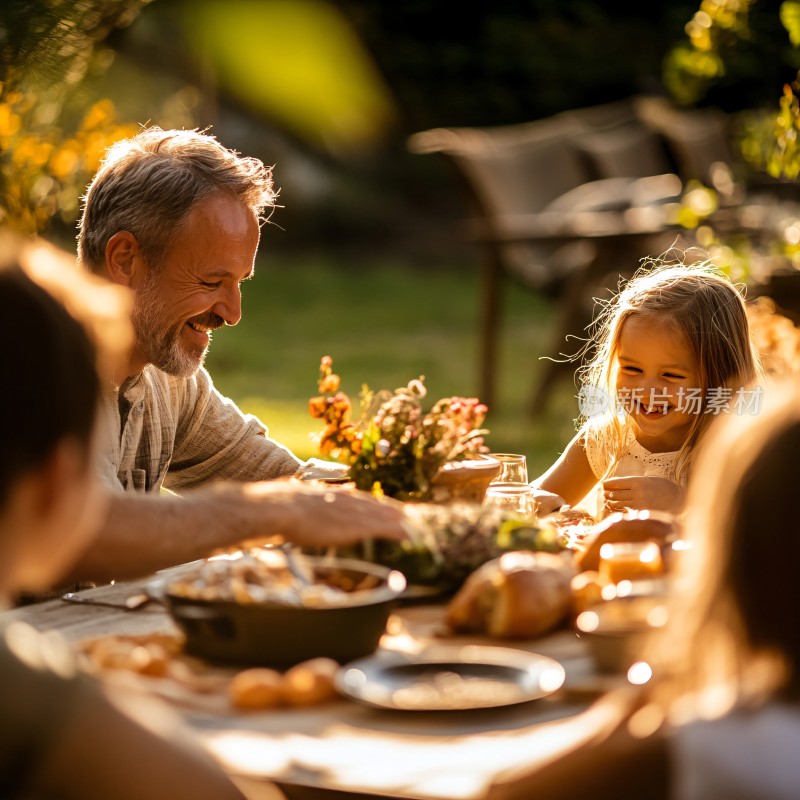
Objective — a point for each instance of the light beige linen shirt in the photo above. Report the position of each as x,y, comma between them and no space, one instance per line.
181,433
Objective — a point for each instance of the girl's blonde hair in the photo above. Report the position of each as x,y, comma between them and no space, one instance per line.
699,302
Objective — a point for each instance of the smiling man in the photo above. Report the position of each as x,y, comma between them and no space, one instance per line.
175,217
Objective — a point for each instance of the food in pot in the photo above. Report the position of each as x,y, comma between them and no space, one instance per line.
262,576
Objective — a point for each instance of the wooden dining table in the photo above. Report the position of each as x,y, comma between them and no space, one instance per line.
344,747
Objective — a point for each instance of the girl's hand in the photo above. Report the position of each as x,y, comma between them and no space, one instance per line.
659,494
547,502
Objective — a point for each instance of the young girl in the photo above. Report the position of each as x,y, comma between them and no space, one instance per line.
670,353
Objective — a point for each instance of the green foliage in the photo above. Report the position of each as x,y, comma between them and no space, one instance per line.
52,133
770,141
717,30
790,18
713,32
298,63
447,543
783,158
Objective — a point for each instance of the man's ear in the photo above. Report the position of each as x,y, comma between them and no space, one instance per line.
124,261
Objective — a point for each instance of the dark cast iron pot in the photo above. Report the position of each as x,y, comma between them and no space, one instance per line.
270,634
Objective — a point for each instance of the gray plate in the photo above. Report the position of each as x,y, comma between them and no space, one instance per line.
450,678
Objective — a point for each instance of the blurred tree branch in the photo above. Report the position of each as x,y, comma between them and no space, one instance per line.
770,141
52,135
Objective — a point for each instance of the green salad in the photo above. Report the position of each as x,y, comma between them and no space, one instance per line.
448,542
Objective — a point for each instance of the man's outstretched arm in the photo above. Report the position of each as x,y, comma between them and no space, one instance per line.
144,533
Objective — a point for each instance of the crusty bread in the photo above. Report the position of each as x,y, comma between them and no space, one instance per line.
517,596
256,688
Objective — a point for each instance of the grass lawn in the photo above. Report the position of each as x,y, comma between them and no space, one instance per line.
384,323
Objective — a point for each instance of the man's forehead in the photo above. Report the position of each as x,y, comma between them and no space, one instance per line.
217,241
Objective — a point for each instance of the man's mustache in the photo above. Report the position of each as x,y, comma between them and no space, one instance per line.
208,320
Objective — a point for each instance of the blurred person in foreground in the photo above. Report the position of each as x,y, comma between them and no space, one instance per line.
175,217
721,716
61,734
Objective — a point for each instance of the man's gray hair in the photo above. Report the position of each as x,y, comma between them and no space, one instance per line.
149,184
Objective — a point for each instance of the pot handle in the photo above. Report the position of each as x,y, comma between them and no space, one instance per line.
204,621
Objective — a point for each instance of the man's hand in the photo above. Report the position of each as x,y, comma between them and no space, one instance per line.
635,492
150,532
321,515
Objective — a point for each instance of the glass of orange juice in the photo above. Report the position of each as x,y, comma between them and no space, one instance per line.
630,561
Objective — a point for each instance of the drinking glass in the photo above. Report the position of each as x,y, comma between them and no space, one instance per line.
630,561
515,468
512,496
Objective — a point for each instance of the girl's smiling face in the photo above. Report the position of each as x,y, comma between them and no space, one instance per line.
658,382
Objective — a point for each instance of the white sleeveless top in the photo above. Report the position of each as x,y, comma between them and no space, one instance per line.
634,460
752,754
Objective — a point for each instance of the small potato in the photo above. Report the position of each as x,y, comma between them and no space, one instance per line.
158,662
113,653
310,682
256,688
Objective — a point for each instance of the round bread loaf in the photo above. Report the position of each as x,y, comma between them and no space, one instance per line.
517,596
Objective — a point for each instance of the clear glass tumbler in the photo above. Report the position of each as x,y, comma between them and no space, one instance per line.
515,468
512,496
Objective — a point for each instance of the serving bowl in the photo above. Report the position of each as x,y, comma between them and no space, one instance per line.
278,634
617,630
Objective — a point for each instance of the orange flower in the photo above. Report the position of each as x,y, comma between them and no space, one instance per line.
329,440
397,447
329,383
339,407
317,406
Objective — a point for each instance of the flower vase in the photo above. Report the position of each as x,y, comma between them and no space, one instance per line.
464,481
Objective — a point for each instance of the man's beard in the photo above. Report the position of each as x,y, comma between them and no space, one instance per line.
161,344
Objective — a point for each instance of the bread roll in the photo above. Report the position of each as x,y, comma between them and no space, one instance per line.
587,590
310,682
258,687
517,596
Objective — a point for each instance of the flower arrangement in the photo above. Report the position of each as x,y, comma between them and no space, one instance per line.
394,447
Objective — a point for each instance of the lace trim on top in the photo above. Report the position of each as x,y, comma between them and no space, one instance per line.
635,460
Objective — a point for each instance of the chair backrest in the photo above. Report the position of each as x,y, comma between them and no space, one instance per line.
697,139
524,169
510,170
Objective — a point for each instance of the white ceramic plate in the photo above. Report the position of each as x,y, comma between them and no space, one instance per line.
450,678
